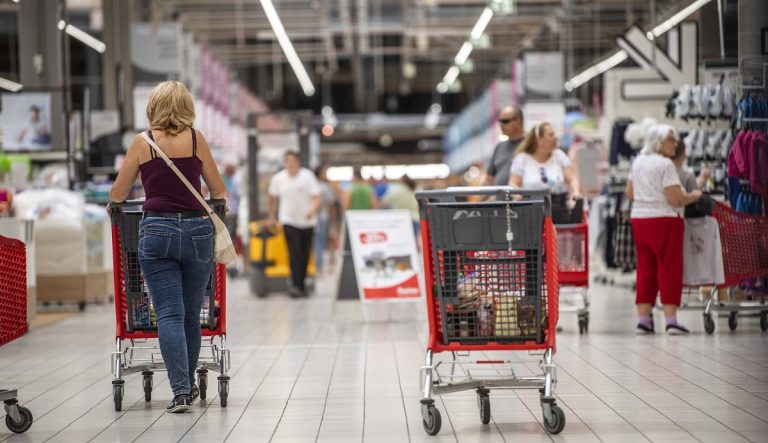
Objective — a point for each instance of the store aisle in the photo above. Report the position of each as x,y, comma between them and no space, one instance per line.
311,370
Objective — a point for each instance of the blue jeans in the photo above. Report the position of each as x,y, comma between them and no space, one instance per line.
176,258
321,239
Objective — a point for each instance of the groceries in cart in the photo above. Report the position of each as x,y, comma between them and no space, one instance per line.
484,310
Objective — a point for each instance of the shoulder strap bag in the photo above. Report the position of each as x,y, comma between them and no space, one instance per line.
224,250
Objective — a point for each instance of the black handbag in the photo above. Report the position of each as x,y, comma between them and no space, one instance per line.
701,208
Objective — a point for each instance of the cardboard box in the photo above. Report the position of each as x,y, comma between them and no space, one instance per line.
99,284
64,287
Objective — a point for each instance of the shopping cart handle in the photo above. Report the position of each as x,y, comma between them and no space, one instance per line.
500,191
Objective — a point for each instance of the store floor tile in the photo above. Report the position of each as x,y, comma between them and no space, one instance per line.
313,370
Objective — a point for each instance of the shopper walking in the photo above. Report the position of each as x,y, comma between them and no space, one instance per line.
511,122
361,195
539,164
325,215
175,234
402,195
297,194
658,199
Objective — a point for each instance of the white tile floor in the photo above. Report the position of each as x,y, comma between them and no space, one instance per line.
312,370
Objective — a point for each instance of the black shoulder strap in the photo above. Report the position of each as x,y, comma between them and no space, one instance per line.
151,150
194,142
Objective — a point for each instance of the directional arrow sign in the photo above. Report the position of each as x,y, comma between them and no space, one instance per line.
677,67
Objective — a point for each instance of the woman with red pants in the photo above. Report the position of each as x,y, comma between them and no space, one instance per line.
657,225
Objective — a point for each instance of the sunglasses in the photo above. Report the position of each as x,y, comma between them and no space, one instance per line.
504,121
544,178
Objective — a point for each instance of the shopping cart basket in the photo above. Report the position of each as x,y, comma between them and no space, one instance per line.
573,265
491,274
136,318
744,240
13,320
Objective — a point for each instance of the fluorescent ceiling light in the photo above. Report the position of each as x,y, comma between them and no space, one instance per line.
482,22
288,49
596,70
10,85
82,36
463,54
675,19
466,49
451,75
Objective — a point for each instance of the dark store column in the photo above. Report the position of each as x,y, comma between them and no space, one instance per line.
40,58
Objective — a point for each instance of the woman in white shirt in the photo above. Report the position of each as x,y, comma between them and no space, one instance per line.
657,225
539,164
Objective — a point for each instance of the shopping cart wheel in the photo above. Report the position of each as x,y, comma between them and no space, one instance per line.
432,420
147,383
117,395
223,390
764,321
558,420
25,421
709,323
202,382
484,403
733,321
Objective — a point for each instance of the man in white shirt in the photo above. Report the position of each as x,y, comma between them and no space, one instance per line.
298,193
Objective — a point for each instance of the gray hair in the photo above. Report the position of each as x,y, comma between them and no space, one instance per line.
653,137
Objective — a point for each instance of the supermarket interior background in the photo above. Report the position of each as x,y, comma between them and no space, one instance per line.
439,304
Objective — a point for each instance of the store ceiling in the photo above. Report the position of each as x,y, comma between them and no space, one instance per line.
330,34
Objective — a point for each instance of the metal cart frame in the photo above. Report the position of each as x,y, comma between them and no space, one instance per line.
503,230
13,305
139,355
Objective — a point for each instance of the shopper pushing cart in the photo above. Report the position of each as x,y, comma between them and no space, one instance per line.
492,277
137,321
13,313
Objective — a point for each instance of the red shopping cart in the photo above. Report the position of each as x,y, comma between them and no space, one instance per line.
135,318
573,265
13,320
492,279
744,240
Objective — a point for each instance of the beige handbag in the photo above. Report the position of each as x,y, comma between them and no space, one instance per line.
224,249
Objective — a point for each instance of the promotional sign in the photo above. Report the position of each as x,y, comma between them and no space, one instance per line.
155,51
544,75
675,67
140,101
26,121
384,254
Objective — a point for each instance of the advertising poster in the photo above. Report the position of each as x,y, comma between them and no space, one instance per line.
384,253
26,121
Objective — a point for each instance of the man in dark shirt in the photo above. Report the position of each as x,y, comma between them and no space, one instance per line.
511,122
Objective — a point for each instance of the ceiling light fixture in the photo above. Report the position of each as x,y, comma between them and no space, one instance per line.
482,23
463,55
621,55
9,85
82,36
675,19
593,71
288,49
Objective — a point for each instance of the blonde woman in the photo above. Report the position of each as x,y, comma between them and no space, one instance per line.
539,164
175,234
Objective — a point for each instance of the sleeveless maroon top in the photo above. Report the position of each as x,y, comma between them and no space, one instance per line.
163,189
